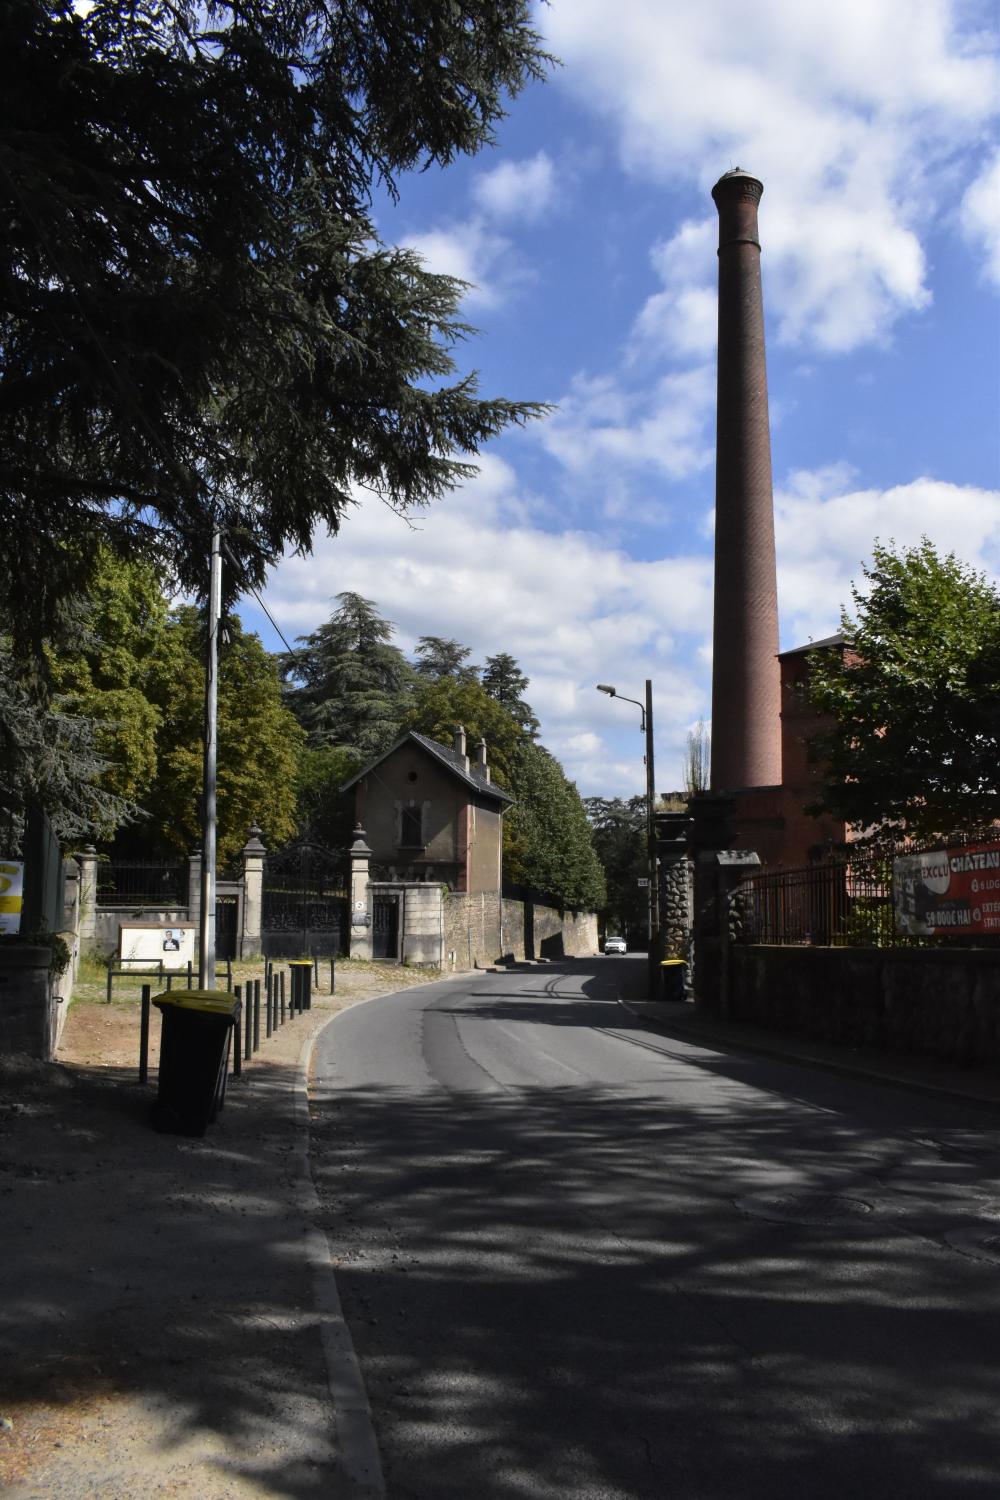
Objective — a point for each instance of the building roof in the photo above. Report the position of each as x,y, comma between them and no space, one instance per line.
828,640
447,757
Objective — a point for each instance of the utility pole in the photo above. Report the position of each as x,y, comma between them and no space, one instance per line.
654,892
206,934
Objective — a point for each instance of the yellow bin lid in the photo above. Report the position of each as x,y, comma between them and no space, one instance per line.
210,1002
666,963
295,962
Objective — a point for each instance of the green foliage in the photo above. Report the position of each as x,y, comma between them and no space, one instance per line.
914,701
440,704
439,657
503,680
323,813
547,839
50,756
102,666
347,684
259,741
619,836
197,319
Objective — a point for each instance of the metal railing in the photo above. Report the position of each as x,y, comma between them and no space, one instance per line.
142,882
849,900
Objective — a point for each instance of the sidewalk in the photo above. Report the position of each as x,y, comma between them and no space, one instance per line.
159,1332
682,1019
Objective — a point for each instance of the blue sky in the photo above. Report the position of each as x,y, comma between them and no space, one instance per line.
588,234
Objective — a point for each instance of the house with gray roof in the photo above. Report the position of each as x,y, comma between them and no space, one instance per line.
430,813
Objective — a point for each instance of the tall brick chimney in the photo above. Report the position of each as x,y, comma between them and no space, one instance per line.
746,685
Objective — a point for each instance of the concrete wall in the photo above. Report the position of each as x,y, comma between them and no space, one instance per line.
942,1003
422,922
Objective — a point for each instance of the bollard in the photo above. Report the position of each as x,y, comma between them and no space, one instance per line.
268,1002
333,976
247,1025
316,970
111,975
281,994
256,1014
237,1059
229,974
144,1035
190,975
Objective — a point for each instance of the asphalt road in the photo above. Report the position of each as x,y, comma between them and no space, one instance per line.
579,1259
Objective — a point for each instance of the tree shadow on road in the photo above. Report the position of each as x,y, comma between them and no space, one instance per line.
582,1292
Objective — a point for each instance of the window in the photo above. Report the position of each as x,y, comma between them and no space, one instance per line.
411,834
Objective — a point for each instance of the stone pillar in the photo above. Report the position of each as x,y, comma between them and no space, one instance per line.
709,832
253,895
194,887
676,885
360,941
87,860
746,684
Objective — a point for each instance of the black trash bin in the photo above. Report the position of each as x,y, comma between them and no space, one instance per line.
673,979
302,973
194,1058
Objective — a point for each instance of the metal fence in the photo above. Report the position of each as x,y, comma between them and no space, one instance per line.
142,882
847,901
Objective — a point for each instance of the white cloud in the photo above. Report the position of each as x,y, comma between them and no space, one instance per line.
980,216
573,611
825,530
522,190
602,429
473,252
854,116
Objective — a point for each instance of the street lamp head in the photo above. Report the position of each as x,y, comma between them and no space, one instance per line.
603,687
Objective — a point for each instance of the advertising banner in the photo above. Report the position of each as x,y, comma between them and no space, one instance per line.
11,893
948,891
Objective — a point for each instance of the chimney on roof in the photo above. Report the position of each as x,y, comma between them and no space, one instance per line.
484,769
459,747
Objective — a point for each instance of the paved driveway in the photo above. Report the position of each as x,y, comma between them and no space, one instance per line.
582,1260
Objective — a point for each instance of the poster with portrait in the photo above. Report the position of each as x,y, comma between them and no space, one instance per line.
948,891
149,945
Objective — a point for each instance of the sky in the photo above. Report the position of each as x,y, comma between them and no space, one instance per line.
588,236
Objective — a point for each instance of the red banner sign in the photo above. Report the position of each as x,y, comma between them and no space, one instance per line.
946,891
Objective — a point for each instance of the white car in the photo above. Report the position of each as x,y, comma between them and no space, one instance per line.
615,945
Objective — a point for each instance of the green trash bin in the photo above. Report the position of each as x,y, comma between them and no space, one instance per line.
194,1058
673,979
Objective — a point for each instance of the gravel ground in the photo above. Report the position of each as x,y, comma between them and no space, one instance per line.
157,1331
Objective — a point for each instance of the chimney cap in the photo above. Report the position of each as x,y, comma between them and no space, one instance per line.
737,174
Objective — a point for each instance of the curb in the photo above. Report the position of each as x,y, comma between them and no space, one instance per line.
357,1448
840,1066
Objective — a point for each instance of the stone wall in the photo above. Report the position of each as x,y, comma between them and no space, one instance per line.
942,1003
28,1004
481,928
676,907
471,926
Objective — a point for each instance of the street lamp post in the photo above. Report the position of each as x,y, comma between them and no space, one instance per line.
653,892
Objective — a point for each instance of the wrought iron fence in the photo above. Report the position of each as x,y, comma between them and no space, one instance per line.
860,899
142,882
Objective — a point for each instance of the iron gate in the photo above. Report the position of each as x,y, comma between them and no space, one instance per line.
304,902
385,926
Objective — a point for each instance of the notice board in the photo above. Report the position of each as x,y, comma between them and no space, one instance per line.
144,945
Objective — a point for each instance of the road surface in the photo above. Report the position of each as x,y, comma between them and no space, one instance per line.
583,1261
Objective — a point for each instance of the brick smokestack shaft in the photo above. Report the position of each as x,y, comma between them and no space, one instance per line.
746,702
